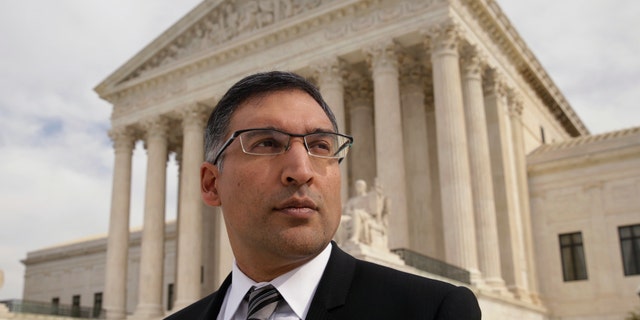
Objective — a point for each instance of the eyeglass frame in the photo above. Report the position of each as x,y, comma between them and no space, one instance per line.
237,134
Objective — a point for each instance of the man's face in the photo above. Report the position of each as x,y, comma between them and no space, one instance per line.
282,208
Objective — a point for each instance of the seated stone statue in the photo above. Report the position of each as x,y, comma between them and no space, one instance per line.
365,216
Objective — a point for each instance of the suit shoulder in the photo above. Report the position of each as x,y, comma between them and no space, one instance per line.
379,292
392,278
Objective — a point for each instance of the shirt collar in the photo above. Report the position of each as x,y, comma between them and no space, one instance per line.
297,286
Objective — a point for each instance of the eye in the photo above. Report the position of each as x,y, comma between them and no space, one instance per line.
266,146
264,141
321,145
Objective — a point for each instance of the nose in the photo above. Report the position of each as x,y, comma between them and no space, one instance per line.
298,169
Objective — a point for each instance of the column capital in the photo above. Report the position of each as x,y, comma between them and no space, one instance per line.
412,72
443,38
515,103
359,89
472,61
382,56
194,114
494,83
157,126
329,70
123,138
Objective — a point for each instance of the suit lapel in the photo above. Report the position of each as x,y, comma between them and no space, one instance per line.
334,285
214,306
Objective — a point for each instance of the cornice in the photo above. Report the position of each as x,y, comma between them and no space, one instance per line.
586,150
503,34
604,138
85,247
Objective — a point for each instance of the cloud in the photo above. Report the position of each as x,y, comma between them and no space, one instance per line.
55,173
590,51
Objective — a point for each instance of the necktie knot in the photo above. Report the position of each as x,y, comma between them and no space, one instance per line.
262,302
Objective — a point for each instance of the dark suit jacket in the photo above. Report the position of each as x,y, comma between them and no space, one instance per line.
352,289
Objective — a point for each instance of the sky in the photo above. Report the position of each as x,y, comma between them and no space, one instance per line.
56,159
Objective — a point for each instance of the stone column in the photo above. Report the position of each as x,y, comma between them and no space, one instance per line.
189,250
150,284
515,116
416,154
509,219
389,144
115,290
435,236
362,158
453,155
329,75
480,165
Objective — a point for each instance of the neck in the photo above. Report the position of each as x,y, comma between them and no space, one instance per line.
265,272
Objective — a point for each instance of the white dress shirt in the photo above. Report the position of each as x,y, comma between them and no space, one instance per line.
297,287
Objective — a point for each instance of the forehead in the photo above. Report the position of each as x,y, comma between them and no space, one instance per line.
293,111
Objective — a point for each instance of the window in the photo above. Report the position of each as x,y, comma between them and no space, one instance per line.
75,306
630,246
574,266
170,296
542,137
55,305
97,304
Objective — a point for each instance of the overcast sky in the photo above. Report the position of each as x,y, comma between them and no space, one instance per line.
56,159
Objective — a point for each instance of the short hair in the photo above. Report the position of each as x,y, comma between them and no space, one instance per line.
250,87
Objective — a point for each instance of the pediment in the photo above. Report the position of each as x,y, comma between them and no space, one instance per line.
209,25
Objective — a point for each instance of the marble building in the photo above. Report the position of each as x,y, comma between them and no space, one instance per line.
473,142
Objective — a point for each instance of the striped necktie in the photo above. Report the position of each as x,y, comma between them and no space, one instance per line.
262,302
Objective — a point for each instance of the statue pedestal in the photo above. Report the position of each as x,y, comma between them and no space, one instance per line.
373,254
4,311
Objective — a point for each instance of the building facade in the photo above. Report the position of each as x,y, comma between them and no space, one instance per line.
445,102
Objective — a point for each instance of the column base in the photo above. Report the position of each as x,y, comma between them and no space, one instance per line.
147,312
475,276
115,313
496,286
521,294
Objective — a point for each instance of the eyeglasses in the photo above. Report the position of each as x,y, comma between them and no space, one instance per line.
267,142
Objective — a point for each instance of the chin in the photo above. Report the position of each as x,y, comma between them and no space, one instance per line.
303,245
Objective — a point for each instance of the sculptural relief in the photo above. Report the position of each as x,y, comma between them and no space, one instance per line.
225,22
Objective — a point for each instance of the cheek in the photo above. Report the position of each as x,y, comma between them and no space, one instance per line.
244,188
334,201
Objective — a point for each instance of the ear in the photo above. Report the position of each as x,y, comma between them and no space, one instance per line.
209,184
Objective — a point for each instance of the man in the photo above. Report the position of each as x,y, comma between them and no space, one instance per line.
272,163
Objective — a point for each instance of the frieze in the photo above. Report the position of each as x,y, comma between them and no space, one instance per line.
397,12
227,21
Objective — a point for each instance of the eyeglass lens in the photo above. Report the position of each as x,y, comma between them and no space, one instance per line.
266,142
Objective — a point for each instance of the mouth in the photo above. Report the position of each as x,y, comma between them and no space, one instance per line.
298,208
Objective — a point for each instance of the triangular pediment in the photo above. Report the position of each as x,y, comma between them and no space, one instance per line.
211,24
